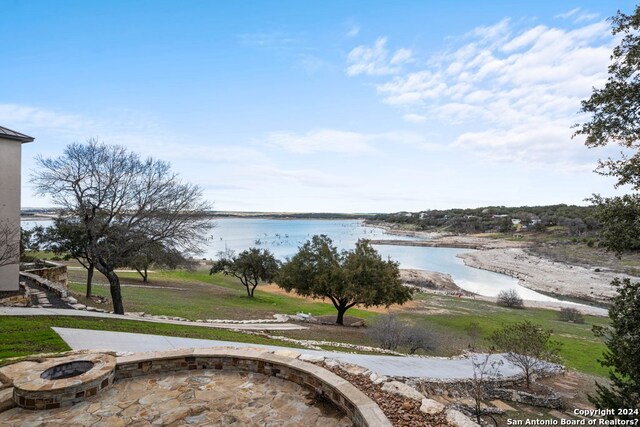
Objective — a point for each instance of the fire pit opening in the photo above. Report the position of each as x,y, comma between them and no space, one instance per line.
67,370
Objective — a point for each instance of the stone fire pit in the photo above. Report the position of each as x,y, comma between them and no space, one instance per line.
64,381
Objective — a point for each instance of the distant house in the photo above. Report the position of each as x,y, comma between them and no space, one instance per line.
10,158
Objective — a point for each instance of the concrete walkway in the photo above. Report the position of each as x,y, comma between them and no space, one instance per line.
34,311
435,368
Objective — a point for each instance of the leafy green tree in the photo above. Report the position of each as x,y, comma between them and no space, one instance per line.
156,254
67,237
622,338
613,110
620,219
359,276
614,118
528,346
29,242
251,267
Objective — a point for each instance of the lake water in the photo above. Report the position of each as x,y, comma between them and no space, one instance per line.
283,237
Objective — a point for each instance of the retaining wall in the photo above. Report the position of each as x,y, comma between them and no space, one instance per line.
51,271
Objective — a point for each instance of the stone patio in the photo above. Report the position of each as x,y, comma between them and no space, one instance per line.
191,398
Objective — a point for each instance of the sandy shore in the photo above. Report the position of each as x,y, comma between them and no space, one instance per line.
544,275
431,281
511,258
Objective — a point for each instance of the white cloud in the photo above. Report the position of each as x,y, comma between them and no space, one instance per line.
346,142
415,118
568,14
23,118
512,93
269,40
321,140
353,31
377,60
578,15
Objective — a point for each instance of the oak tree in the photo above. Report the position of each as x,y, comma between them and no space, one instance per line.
251,267
348,278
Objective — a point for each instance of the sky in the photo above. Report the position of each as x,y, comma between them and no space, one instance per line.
319,106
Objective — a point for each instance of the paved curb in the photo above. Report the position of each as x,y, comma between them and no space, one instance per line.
23,311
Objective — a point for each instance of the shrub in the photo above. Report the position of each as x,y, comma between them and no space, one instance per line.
391,333
387,330
510,298
474,332
417,338
528,346
570,314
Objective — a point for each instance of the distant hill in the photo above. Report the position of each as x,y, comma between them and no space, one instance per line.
577,220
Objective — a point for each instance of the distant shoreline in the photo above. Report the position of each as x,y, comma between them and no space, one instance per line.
511,258
326,216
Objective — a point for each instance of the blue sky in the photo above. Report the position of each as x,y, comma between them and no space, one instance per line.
333,106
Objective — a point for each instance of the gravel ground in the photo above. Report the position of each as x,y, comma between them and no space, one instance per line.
400,411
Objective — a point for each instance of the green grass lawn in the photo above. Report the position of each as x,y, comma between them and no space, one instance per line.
25,335
197,295
580,348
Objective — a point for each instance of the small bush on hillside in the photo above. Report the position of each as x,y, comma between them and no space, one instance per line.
570,314
474,332
391,333
510,298
417,338
387,331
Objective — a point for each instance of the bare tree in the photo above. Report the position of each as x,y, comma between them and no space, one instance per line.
9,243
391,333
388,331
510,298
485,373
417,338
122,200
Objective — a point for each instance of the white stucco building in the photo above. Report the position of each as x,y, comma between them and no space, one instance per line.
10,168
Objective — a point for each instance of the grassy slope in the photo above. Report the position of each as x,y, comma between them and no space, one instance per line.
196,295
580,348
24,335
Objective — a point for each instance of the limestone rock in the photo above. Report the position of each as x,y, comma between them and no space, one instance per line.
6,399
402,389
311,358
287,353
377,378
459,419
72,300
353,369
331,363
431,407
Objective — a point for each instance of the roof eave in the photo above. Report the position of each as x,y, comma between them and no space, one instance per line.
23,139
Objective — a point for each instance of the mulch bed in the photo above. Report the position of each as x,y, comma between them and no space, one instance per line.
400,411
